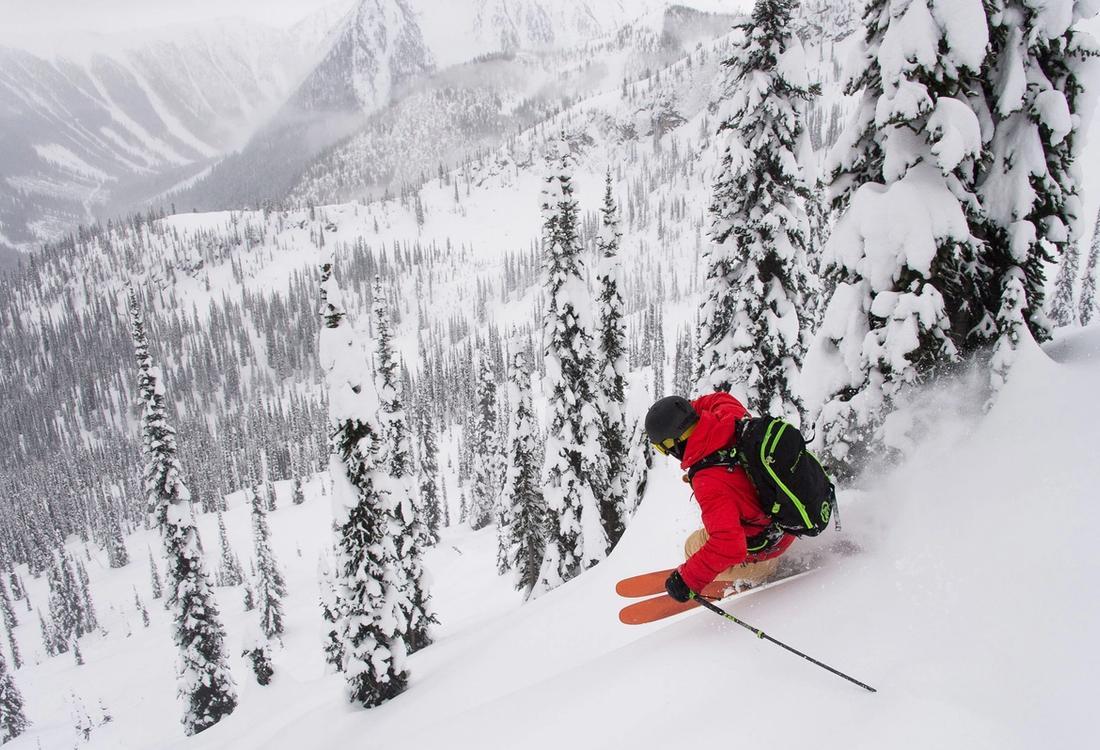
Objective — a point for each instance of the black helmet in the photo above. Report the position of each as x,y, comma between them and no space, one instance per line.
667,421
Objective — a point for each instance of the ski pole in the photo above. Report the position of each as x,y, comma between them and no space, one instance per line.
761,634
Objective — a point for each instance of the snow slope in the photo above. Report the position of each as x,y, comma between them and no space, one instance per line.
970,607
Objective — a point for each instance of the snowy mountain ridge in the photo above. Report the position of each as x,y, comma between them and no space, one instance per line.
147,127
97,129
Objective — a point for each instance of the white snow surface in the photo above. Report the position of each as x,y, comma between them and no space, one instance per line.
972,617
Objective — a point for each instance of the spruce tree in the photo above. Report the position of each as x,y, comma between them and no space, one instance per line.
329,603
49,639
265,487
140,606
484,487
1063,307
430,499
154,577
8,616
65,610
7,611
230,573
18,591
204,682
13,645
89,621
522,530
13,722
369,618
611,368
259,656
1029,181
909,299
657,342
270,586
1088,285
642,461
574,467
410,536
117,555
754,320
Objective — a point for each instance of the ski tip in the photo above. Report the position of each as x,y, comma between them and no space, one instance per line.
652,610
645,584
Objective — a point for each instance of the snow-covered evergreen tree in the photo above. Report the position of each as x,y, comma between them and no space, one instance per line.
523,518
265,488
1063,306
140,606
13,645
371,599
409,535
909,297
154,578
257,650
18,591
66,612
329,603
7,611
117,555
13,721
270,586
204,682
754,319
229,572
611,366
88,620
657,342
484,486
49,638
574,465
1030,183
820,285
1088,285
428,453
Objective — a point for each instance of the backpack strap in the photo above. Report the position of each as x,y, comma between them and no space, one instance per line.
728,456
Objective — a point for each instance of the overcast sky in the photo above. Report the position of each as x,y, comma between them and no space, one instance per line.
38,16
26,21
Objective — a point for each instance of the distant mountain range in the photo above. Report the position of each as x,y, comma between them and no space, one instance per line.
234,114
95,129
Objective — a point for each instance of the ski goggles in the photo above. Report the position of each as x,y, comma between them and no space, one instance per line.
669,444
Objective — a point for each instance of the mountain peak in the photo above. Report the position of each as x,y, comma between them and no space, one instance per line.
378,48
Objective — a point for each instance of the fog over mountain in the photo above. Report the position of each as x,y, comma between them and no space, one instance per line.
237,113
114,120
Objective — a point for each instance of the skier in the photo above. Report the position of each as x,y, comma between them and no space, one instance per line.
739,542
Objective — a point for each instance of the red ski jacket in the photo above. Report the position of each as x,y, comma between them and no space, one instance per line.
731,508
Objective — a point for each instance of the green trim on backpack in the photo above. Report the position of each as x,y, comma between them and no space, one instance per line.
786,493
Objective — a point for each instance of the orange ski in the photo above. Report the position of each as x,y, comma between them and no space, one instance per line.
648,584
657,608
660,607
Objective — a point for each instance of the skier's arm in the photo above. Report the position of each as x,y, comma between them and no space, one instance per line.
716,490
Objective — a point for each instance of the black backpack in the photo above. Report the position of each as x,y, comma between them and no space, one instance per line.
793,487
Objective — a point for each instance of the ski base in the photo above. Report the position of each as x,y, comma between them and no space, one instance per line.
662,606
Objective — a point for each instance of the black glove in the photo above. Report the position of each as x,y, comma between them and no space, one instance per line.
677,589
